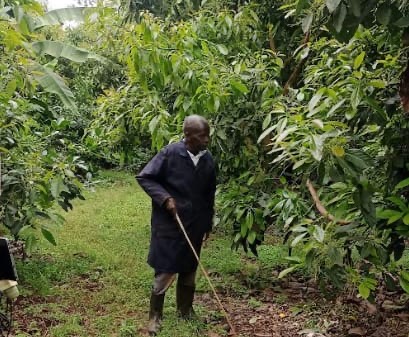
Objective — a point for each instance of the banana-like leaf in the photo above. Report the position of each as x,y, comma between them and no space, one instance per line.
53,83
59,49
3,13
62,15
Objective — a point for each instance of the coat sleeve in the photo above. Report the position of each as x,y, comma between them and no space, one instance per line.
152,176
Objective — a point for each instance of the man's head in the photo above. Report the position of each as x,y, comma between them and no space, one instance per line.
197,133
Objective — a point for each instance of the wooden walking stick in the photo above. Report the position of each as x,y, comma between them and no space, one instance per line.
232,329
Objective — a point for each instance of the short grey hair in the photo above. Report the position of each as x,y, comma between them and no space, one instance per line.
194,121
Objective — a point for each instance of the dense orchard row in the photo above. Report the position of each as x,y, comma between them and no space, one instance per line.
302,96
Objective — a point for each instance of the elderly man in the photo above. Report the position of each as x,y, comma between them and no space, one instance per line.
181,180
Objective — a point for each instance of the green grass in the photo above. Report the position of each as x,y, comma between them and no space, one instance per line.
96,281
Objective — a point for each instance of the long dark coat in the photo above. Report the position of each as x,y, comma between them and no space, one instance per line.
171,173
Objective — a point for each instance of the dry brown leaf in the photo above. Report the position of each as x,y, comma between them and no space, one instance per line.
310,333
372,309
403,316
358,331
254,319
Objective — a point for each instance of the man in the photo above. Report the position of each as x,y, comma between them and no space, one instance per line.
181,180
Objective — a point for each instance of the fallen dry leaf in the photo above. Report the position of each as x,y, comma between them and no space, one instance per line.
372,309
254,319
310,333
357,332
403,316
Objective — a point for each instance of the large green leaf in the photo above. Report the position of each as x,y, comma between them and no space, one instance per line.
355,6
356,97
364,291
298,239
58,186
359,59
59,49
239,86
53,83
222,49
332,5
60,16
301,5
307,22
286,271
314,101
404,284
383,14
402,22
252,237
404,183
4,13
339,18
266,133
49,236
319,233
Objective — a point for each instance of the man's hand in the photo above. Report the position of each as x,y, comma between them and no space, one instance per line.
170,205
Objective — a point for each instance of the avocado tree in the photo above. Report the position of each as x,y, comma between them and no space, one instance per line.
39,165
304,101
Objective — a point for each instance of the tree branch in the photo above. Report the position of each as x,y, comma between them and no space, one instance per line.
271,40
321,207
294,75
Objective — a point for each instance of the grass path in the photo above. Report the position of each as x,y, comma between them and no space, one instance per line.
96,281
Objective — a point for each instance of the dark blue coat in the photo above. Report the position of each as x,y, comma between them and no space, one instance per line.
171,173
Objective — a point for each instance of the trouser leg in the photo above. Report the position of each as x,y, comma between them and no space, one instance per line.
185,290
161,283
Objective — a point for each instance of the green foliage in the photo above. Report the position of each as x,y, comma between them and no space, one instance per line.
287,104
41,273
296,92
58,49
60,16
18,27
171,9
343,18
39,165
333,128
37,172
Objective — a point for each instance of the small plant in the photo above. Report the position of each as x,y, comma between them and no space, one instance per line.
127,329
254,303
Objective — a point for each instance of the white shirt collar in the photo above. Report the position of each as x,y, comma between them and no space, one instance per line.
195,158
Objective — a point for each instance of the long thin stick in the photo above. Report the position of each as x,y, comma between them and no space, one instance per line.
232,329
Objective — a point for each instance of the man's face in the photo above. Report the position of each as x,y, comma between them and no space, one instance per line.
198,139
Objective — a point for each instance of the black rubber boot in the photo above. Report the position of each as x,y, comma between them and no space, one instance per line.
184,301
155,313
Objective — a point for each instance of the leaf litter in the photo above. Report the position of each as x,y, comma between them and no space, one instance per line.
292,311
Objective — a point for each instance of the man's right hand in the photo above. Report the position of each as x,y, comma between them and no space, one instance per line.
170,205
